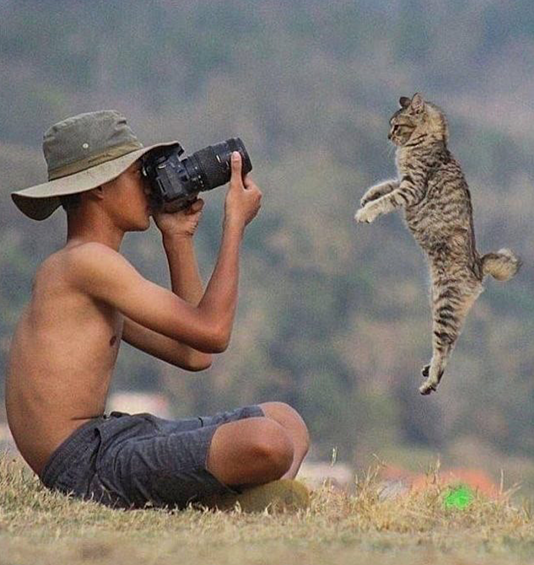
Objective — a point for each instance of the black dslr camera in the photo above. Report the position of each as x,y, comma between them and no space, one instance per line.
175,183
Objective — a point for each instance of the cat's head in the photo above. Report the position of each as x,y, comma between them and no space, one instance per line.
417,121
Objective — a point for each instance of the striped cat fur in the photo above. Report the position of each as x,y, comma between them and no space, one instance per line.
432,191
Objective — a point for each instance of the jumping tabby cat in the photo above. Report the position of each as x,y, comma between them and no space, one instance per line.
432,190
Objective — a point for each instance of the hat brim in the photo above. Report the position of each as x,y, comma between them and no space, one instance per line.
40,201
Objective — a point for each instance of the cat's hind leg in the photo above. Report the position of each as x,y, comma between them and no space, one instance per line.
451,304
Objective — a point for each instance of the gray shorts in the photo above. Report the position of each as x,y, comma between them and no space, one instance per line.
138,460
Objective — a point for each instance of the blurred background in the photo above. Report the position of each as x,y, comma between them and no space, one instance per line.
333,318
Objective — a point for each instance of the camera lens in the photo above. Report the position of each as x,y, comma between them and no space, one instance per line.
212,164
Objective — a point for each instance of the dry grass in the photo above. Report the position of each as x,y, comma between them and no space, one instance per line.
37,526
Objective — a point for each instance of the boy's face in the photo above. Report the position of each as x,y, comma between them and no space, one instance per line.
127,199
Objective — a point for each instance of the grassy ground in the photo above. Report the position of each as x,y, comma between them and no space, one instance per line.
39,527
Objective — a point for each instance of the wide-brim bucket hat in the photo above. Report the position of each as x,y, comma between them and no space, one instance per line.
82,153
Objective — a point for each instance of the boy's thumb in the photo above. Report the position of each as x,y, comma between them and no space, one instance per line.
236,162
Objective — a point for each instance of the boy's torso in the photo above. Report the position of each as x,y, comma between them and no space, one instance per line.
61,361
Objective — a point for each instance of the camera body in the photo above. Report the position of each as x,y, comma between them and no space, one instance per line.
175,183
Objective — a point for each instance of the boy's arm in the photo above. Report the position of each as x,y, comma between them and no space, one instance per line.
164,348
105,275
177,230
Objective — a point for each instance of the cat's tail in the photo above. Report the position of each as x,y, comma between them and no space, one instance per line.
502,265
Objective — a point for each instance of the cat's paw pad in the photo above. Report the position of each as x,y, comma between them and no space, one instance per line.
366,215
427,387
425,371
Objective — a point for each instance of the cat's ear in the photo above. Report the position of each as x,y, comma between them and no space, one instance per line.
404,102
417,102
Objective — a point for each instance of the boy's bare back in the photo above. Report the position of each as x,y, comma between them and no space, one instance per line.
62,357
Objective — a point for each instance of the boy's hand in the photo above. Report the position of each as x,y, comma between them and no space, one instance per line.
180,224
243,200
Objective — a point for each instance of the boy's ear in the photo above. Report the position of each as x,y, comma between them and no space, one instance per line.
96,193
404,102
417,102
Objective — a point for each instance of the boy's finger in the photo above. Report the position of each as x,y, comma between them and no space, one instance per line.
194,207
236,167
197,205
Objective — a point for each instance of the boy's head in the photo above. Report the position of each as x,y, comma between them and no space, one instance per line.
83,153
123,200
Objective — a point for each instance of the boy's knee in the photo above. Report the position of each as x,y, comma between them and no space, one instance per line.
272,446
286,415
251,451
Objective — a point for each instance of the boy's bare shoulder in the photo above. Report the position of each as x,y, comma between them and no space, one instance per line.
93,258
85,266
98,270
68,262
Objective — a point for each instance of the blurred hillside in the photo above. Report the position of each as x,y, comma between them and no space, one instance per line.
333,317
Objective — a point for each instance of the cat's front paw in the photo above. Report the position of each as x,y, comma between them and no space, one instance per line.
427,387
368,197
366,215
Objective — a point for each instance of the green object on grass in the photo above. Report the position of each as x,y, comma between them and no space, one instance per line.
459,497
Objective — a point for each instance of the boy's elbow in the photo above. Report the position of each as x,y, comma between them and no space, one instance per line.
196,362
219,345
201,365
215,338
220,340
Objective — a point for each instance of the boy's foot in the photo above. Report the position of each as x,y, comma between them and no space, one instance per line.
281,495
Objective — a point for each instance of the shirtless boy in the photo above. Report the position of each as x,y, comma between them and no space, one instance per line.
87,297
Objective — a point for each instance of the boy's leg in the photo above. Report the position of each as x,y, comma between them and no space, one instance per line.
250,452
258,450
294,425
141,459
